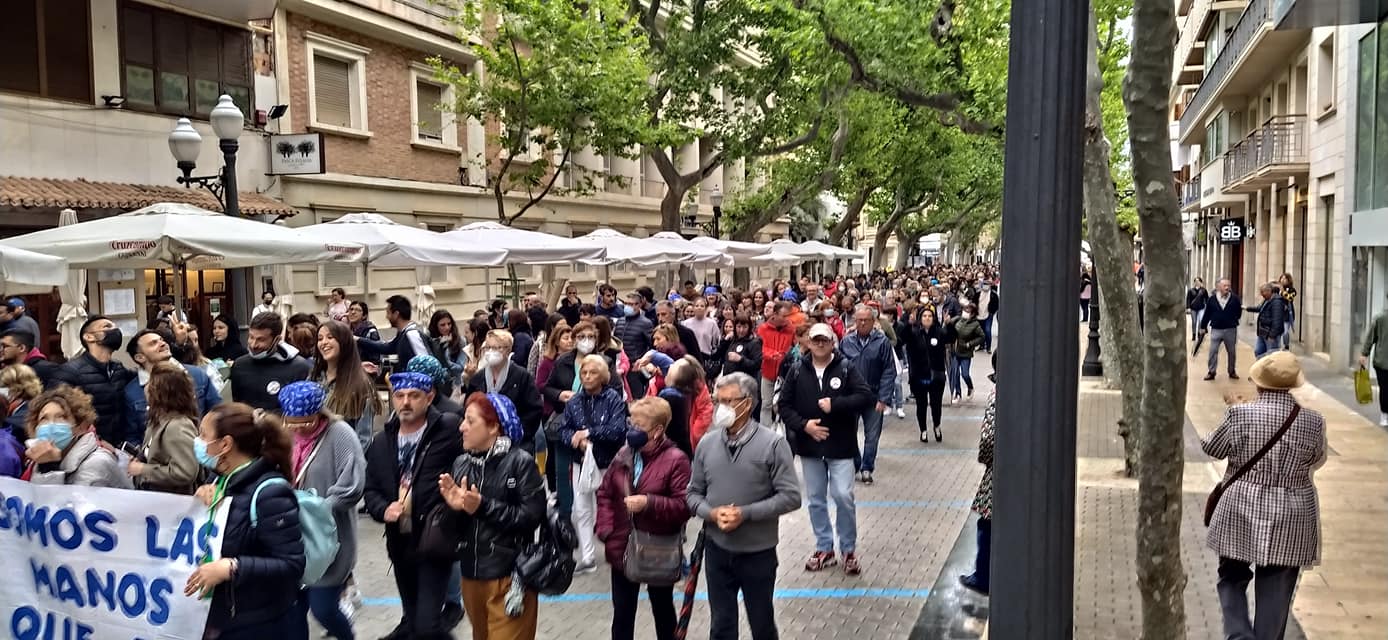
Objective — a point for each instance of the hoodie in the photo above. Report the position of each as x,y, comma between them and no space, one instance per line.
257,381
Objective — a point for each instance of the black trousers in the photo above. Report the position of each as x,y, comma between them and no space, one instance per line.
625,594
1382,381
422,585
754,574
931,396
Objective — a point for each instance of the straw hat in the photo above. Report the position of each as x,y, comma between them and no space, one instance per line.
1277,371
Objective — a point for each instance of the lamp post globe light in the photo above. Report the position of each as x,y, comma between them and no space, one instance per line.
185,143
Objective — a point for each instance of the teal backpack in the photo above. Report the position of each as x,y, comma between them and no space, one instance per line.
318,527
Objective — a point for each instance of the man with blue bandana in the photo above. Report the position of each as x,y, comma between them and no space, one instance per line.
403,464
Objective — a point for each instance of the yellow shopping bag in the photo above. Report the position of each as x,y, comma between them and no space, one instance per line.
1363,392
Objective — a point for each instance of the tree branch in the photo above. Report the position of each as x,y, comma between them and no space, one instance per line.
553,177
851,215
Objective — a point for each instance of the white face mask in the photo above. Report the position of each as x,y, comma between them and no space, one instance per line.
494,357
968,316
585,346
723,417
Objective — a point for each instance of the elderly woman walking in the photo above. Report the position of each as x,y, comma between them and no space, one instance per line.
1266,525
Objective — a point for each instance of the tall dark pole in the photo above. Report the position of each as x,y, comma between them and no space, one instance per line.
1093,365
1034,486
717,217
232,205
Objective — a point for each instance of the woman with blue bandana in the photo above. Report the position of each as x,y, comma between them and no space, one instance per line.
440,377
498,488
328,460
63,447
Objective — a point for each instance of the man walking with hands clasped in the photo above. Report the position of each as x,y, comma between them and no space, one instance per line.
820,404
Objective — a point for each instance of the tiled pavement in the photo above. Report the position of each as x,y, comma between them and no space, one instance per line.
907,523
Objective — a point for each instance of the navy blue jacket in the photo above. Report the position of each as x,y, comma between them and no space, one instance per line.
873,358
271,554
1226,317
136,407
1272,317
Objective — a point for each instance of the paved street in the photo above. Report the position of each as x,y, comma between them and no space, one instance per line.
912,518
907,523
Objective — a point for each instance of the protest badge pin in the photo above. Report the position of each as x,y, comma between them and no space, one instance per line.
273,387
834,383
739,348
934,342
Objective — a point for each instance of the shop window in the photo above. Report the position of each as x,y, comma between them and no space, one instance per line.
180,65
45,49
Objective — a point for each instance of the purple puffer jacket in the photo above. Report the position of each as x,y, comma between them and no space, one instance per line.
664,481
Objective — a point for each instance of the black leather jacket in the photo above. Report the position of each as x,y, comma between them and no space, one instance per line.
513,505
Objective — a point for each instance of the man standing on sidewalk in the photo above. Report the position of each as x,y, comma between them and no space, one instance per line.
869,351
1221,319
1272,320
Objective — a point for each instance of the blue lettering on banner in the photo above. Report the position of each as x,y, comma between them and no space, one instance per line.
62,528
129,592
28,624
182,546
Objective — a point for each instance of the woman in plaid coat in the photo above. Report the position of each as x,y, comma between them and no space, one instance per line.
1270,518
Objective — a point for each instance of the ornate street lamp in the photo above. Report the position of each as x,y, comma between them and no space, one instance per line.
185,143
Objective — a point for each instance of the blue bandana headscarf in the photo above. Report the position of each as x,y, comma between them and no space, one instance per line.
429,366
788,295
303,398
411,380
510,420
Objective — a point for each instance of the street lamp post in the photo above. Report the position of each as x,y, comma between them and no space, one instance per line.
1093,366
716,199
185,143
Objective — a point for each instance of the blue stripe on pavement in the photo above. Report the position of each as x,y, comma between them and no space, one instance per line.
916,504
924,451
781,594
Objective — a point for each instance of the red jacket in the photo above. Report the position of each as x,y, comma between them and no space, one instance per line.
664,481
775,343
700,416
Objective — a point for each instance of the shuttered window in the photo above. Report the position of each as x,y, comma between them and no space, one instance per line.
45,49
178,64
339,274
428,97
438,274
332,89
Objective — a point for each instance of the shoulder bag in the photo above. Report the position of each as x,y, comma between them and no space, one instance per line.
651,558
1213,500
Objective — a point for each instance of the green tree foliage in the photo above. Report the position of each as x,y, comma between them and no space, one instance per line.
557,77
1113,51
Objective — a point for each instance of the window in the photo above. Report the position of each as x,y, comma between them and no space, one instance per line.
45,49
338,274
177,64
337,86
438,274
1325,75
433,125
1216,133
1371,139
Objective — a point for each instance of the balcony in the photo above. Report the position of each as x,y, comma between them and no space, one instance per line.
1190,194
1274,152
1253,49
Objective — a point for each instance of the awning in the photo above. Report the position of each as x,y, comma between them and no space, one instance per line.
29,193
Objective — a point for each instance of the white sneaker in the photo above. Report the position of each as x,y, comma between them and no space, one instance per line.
954,400
901,413
1383,420
925,437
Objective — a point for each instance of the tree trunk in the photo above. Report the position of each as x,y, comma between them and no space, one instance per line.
884,232
670,206
850,216
1111,251
1146,93
904,243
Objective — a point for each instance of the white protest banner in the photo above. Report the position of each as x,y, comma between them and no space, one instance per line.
87,563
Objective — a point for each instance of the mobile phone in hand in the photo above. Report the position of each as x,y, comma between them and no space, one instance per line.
133,450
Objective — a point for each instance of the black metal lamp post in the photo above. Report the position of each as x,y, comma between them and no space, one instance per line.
716,199
185,143
1033,529
1093,366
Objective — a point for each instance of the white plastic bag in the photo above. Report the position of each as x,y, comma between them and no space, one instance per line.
589,476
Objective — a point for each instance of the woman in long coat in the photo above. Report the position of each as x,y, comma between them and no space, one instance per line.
1266,526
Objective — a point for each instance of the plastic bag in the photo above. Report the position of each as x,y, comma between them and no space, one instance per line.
589,477
1363,391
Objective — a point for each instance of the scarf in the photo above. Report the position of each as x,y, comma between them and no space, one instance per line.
494,383
304,442
471,464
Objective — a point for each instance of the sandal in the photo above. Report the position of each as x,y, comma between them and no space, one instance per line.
821,560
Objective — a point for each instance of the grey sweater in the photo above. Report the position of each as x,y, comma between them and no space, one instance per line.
337,473
760,478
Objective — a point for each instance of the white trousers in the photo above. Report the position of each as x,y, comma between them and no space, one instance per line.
585,518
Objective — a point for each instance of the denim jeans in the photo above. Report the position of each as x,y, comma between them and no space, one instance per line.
1273,590
1287,334
872,434
455,585
831,479
754,574
983,560
323,601
988,333
959,372
1263,346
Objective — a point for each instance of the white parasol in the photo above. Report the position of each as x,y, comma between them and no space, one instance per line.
526,247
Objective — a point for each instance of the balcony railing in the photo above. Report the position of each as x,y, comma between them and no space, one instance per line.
1254,16
1190,192
1282,141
